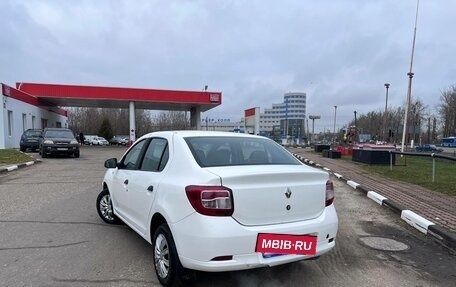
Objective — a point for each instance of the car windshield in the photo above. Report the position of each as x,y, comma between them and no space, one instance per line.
59,134
228,151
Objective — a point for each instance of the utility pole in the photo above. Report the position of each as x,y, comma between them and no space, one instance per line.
409,90
385,116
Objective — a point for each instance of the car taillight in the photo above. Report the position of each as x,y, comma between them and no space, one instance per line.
211,200
329,193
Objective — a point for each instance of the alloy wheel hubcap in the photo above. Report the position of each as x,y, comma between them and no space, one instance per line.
106,207
161,257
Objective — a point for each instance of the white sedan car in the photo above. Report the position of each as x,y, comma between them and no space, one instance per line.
99,141
216,201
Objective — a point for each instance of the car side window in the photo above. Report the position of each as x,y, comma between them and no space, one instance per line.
156,155
132,158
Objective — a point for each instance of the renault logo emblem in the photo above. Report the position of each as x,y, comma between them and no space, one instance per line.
288,193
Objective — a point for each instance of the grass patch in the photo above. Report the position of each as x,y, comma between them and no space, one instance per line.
418,170
12,156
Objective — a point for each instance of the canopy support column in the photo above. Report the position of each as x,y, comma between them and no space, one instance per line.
132,123
195,118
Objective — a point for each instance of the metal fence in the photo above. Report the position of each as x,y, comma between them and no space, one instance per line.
420,154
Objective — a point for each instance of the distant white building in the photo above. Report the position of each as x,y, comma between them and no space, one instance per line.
224,125
285,120
288,116
21,111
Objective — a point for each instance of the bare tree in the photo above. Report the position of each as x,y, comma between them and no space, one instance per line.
418,114
395,120
89,120
171,120
85,120
370,123
447,108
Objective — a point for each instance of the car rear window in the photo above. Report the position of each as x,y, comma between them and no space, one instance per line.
228,151
33,133
64,134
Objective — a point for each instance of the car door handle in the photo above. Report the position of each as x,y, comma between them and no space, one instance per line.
126,181
150,188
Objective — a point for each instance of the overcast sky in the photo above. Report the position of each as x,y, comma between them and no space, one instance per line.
340,52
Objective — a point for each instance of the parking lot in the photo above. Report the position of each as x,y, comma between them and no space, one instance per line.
51,235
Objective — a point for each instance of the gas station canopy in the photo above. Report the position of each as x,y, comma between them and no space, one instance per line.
116,97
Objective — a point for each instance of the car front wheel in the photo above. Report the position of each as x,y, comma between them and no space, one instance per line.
105,209
166,261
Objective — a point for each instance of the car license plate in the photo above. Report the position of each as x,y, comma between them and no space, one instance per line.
62,148
278,244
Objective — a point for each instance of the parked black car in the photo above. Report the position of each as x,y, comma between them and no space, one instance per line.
119,140
58,141
428,148
30,139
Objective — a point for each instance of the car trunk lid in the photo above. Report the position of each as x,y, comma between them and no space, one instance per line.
272,194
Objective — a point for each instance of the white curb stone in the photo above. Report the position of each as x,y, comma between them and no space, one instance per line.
376,197
416,220
352,184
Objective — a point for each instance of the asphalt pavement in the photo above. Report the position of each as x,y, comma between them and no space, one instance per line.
51,235
435,212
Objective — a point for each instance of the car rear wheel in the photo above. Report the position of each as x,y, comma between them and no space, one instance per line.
166,261
105,209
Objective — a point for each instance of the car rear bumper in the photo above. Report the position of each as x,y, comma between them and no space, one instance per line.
60,149
29,144
199,239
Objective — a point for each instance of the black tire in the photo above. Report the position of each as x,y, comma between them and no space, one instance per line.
43,154
22,149
105,209
167,265
76,154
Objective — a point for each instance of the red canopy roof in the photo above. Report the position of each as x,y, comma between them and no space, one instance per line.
115,97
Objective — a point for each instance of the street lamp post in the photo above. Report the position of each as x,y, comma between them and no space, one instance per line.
356,127
385,116
334,129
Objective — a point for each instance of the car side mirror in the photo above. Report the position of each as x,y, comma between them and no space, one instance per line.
111,163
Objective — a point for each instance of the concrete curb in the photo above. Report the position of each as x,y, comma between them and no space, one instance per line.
444,236
9,168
